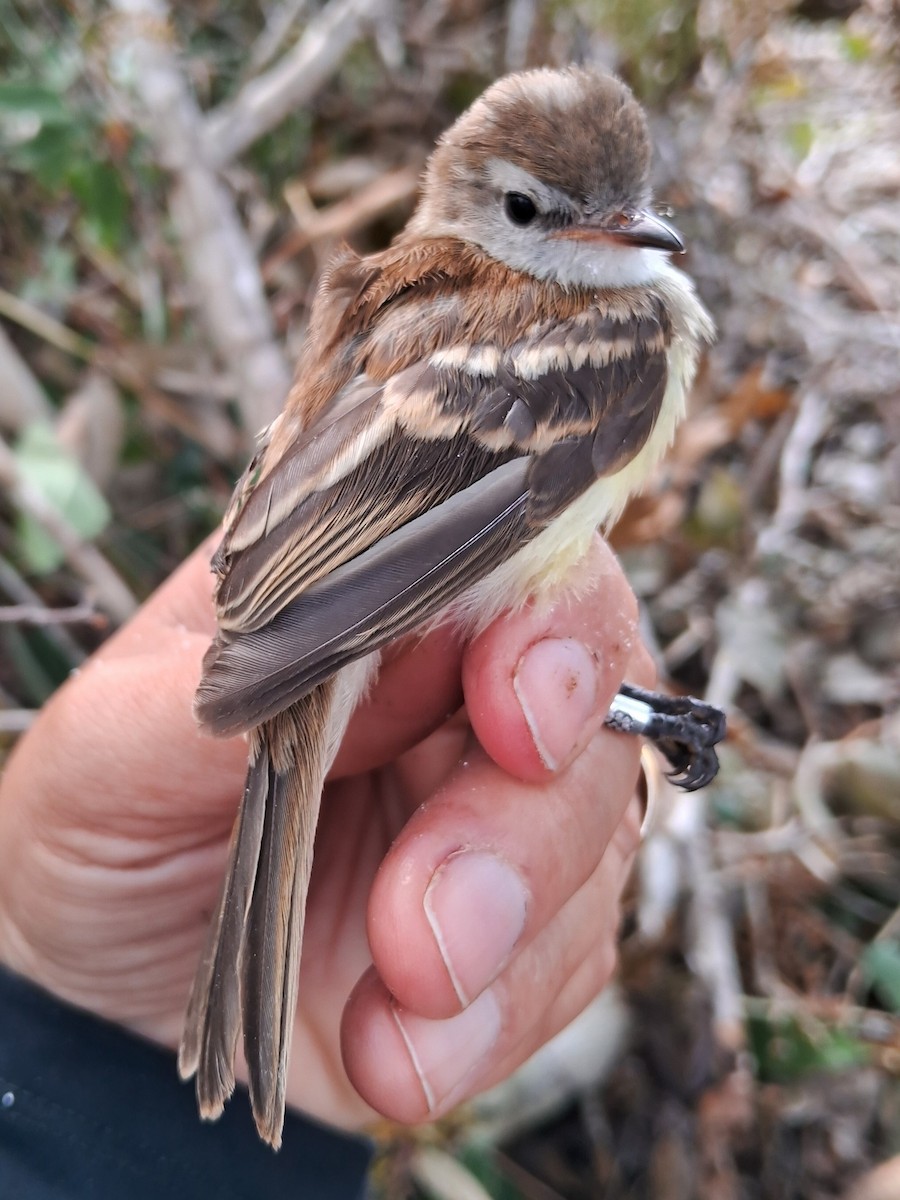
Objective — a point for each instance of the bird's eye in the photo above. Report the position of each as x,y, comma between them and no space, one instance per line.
520,209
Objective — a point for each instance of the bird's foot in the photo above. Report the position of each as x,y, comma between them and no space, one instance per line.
685,730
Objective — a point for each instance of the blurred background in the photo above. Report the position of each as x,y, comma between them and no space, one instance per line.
172,180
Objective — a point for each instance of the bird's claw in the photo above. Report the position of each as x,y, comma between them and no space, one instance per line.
685,730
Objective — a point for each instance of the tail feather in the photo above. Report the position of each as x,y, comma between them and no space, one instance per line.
213,1018
247,978
296,745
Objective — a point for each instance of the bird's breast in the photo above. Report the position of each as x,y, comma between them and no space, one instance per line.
545,565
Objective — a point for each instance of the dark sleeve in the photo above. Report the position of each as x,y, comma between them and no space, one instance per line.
89,1110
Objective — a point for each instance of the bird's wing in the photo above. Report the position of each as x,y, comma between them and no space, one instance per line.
411,492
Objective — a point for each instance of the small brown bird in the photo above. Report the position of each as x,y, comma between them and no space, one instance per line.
471,404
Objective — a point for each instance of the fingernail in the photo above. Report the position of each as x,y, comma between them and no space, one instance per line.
476,905
448,1055
556,685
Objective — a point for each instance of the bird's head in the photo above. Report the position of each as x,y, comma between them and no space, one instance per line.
548,173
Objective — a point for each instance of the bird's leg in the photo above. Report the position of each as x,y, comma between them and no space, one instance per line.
685,730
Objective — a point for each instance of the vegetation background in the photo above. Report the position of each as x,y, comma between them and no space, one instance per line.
171,182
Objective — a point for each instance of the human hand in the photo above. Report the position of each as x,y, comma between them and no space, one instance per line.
464,901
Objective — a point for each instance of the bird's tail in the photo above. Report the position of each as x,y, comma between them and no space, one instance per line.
247,978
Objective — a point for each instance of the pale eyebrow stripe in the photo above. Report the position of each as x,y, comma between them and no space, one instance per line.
510,178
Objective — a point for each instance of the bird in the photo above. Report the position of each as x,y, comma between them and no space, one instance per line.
471,404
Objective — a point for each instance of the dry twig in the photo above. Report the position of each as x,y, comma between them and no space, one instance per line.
218,256
129,369
15,587
265,101
794,469
341,219
22,399
17,720
279,20
711,947
38,614
45,326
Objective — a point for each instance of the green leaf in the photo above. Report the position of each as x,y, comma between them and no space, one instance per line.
801,135
719,512
481,1160
31,99
856,46
881,965
37,665
54,280
35,683
788,1049
68,487
50,155
104,202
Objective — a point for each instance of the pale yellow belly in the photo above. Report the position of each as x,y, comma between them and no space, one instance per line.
544,567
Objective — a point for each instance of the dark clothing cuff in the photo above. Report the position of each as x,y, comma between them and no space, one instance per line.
89,1110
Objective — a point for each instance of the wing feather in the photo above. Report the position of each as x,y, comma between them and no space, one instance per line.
384,530
395,585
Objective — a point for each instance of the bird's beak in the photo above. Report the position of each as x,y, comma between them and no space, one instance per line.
642,228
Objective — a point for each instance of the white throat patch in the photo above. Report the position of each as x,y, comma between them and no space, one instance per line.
592,264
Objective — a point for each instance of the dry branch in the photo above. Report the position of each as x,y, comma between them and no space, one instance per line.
794,471
341,219
16,720
46,327
521,17
711,949
219,259
129,369
14,587
22,399
40,615
279,20
292,82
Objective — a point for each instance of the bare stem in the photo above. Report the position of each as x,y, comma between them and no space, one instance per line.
15,588
44,326
37,614
22,399
291,83
16,720
217,253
